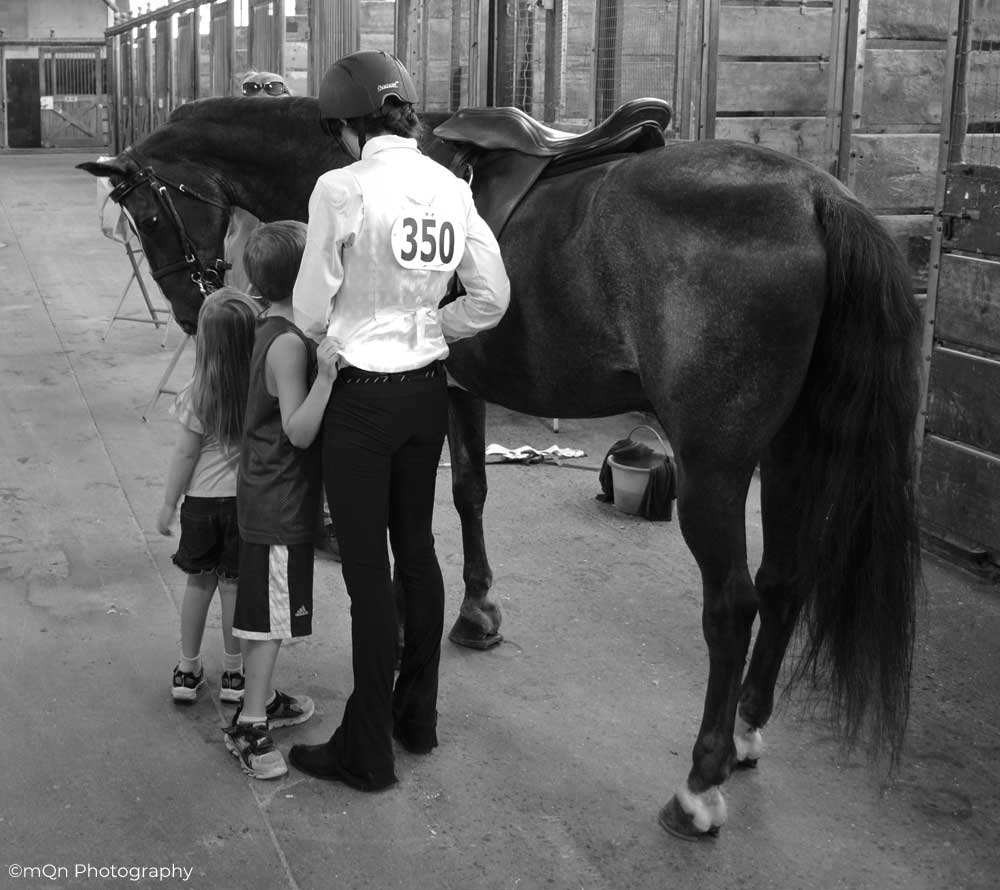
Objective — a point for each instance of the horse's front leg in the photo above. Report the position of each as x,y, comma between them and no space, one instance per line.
710,507
478,623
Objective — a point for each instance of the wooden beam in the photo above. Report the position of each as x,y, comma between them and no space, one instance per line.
230,66
279,36
957,22
710,69
854,84
687,114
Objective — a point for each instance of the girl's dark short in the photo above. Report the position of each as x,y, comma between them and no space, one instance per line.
210,537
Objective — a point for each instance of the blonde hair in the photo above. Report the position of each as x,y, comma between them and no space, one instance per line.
226,325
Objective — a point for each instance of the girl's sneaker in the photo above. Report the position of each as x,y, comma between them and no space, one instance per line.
252,745
233,683
186,685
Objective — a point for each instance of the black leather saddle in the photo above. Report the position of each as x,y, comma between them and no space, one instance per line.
633,126
503,151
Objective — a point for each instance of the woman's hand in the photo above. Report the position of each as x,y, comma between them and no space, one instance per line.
327,354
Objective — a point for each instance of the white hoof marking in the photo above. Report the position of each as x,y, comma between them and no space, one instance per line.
707,809
749,741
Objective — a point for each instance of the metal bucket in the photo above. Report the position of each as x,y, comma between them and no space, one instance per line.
630,480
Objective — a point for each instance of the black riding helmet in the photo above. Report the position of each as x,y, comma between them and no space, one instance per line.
357,85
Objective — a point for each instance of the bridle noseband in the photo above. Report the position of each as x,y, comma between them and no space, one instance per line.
207,277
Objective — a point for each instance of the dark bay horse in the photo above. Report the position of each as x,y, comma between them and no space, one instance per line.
744,297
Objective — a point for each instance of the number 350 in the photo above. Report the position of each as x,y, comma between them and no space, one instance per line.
434,247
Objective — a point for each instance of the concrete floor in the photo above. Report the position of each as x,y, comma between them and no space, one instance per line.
557,748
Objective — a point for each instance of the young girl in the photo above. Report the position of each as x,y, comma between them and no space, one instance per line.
203,469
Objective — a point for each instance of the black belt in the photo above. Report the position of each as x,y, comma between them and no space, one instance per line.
360,375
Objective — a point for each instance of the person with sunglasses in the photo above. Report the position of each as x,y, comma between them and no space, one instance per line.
242,222
264,83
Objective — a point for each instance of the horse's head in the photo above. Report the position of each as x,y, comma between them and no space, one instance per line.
181,220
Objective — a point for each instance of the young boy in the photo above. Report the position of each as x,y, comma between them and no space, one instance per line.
276,497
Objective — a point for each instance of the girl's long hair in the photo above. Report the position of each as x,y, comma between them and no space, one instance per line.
226,325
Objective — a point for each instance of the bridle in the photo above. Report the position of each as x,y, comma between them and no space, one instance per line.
207,277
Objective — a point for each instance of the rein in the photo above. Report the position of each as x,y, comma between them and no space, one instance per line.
206,277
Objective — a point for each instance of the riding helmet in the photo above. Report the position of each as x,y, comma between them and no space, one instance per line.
358,84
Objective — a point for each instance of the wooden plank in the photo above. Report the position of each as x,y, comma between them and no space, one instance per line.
801,137
960,491
902,87
909,19
982,91
687,121
774,31
968,302
784,88
906,85
895,172
913,233
964,399
378,23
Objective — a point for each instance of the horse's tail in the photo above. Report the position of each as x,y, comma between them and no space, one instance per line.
859,554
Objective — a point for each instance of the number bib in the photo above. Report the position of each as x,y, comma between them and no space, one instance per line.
427,242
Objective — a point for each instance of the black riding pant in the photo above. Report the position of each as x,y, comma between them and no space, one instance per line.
381,448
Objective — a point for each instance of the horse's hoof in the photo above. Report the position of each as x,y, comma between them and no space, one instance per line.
675,821
747,763
467,634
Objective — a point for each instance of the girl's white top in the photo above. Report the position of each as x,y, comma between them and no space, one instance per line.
385,236
215,473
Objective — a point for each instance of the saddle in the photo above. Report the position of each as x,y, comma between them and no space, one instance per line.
504,152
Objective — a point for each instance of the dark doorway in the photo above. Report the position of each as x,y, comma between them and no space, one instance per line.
24,115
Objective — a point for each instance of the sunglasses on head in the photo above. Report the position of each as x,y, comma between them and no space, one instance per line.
272,88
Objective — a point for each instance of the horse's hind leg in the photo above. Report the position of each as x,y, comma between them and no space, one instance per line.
478,623
780,603
711,506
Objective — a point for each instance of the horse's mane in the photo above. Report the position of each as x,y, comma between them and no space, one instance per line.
228,108
264,154
237,129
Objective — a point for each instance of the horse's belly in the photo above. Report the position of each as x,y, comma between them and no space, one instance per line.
547,375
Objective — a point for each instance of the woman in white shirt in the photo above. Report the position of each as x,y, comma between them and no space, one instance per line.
385,236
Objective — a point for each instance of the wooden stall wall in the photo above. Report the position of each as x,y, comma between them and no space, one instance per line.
960,430
900,81
775,66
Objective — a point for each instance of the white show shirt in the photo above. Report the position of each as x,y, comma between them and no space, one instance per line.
385,236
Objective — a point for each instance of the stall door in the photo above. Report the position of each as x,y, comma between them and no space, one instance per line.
24,116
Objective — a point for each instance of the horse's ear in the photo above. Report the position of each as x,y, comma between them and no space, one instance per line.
103,168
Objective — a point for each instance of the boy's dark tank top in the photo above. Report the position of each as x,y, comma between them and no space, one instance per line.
279,485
